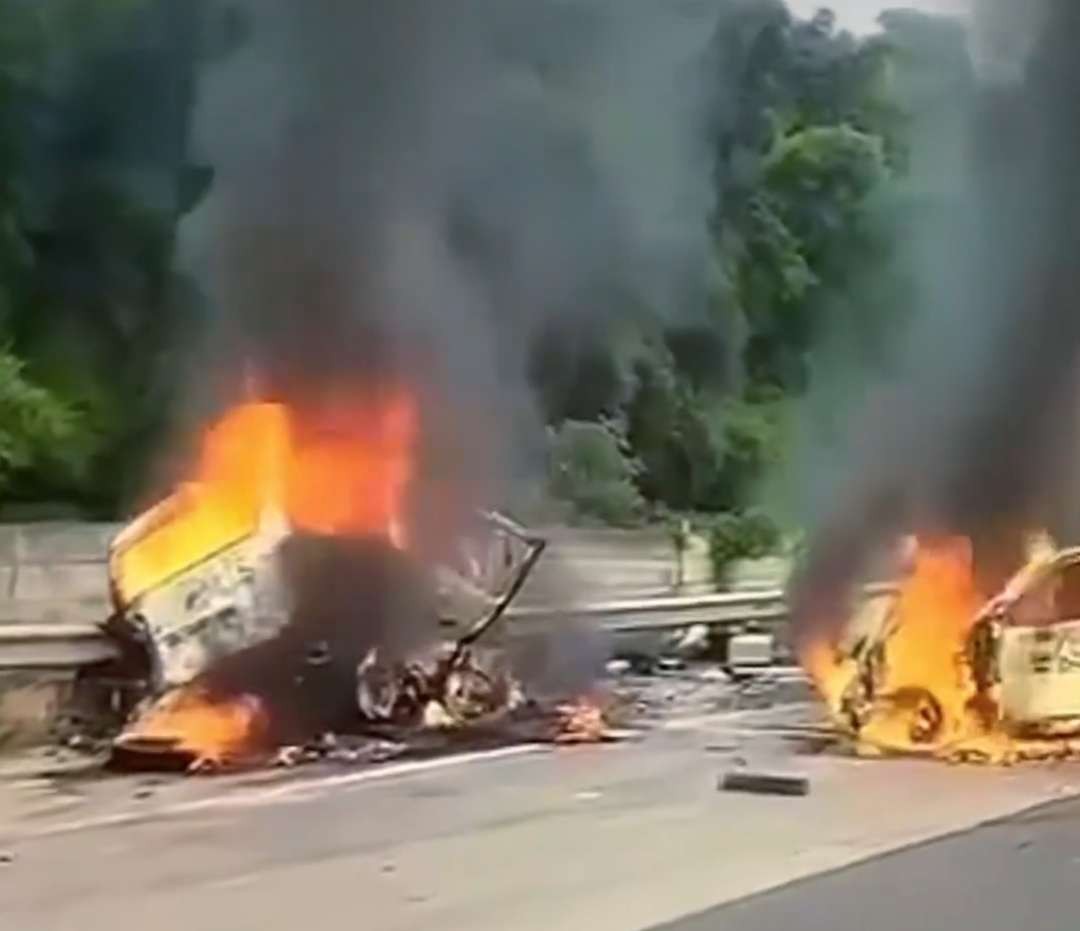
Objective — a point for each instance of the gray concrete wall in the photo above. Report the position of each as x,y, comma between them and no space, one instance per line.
594,565
54,584
54,573
53,578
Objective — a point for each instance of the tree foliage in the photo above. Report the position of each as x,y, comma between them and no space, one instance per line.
740,535
591,469
812,150
39,429
91,178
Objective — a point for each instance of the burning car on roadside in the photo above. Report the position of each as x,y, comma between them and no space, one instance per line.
929,666
276,597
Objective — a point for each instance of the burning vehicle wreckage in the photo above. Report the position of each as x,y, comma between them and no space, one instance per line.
931,667
272,611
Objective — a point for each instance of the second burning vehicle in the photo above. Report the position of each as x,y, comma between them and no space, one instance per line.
932,667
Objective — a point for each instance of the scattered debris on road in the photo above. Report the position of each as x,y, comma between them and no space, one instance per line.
346,749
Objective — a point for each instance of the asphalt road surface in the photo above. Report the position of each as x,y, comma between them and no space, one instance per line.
614,838
1016,873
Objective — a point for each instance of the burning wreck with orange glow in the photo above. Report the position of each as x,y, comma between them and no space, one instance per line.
275,597
932,667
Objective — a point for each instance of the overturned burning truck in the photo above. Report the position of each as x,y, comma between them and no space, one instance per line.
275,596
933,668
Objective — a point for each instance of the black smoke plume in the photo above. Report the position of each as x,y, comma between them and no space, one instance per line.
980,437
415,190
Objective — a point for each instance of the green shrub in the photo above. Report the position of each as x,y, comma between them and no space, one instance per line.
743,535
38,430
590,469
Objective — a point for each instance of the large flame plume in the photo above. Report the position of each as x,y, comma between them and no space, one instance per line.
343,467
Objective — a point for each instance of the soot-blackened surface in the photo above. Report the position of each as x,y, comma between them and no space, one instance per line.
348,596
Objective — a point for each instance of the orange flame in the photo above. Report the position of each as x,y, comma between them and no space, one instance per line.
828,671
343,468
924,693
350,468
582,721
211,730
928,687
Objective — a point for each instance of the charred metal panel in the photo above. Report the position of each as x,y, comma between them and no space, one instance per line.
228,601
1040,676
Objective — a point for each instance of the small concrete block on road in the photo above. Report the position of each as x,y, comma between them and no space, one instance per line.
764,783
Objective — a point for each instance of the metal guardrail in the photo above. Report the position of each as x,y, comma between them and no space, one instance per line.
62,646
668,613
663,613
53,646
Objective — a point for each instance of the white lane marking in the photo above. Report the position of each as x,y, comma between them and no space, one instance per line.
293,791
385,771
712,718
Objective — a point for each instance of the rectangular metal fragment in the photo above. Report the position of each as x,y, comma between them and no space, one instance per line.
758,783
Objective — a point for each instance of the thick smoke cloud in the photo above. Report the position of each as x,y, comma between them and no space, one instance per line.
414,189
1004,35
980,437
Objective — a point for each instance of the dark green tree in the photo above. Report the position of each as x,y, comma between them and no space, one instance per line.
94,98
